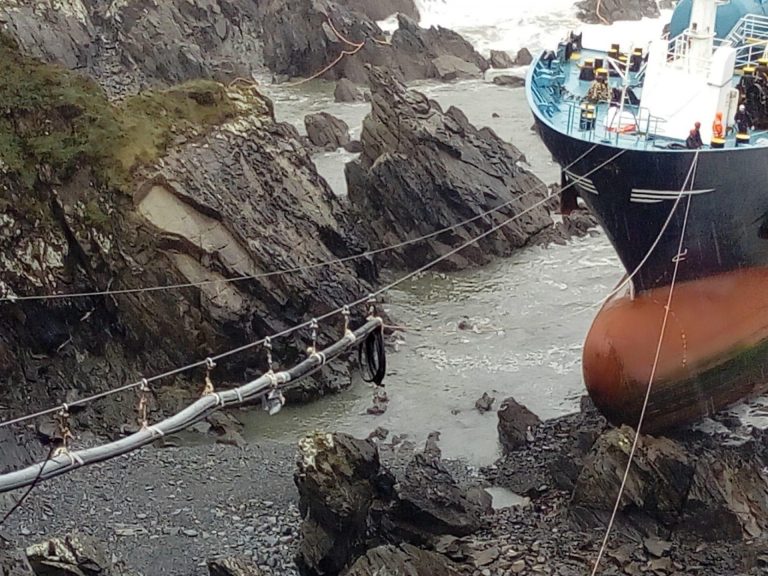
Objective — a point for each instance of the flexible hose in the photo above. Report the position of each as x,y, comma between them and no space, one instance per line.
373,358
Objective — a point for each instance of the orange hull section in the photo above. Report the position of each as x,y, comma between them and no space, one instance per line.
714,352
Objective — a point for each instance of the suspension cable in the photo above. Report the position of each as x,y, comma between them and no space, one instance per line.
309,323
295,269
667,310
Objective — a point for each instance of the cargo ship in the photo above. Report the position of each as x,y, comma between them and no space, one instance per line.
666,144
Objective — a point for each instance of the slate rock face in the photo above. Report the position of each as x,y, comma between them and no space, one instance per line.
613,10
515,425
423,169
326,131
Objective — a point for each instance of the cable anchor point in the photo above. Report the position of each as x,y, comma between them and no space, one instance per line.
346,314
314,326
143,408
62,421
209,389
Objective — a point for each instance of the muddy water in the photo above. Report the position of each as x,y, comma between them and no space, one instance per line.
527,315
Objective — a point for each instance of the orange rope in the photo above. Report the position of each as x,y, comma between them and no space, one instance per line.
599,15
356,47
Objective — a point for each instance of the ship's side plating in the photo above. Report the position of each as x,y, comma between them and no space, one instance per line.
651,200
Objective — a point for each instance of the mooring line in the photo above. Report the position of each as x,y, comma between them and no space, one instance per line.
667,310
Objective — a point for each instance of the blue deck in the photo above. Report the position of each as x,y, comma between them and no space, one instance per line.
557,94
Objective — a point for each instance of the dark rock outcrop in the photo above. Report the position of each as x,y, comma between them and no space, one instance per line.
381,9
423,169
326,131
500,59
515,425
339,479
127,45
402,560
524,57
239,197
449,68
485,403
233,567
346,91
509,80
72,554
13,562
302,37
601,11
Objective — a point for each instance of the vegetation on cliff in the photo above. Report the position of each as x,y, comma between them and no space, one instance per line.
53,121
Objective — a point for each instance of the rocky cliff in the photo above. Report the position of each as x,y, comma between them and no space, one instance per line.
194,184
423,169
131,44
302,37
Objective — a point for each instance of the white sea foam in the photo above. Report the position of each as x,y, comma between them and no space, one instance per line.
514,24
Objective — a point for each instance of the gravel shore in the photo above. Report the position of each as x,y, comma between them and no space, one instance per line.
165,511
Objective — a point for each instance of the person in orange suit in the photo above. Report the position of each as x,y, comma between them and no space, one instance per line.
718,130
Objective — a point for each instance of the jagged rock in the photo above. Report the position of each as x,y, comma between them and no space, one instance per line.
577,224
75,554
339,478
346,91
299,41
381,9
601,11
431,503
326,131
423,169
236,198
508,80
484,403
353,147
515,424
126,45
658,482
449,68
233,567
500,59
403,560
524,57
417,48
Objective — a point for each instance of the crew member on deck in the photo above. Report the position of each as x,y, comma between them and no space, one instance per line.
693,141
696,132
718,131
599,91
742,120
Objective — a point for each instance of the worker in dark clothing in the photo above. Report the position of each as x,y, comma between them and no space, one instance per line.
693,141
743,120
697,135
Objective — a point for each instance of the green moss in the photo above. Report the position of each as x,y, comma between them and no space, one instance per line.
53,121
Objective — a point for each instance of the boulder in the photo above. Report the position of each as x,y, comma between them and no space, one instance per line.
72,554
339,479
423,169
657,486
500,59
239,566
326,131
401,561
449,68
509,80
485,403
609,11
431,503
346,91
515,425
524,57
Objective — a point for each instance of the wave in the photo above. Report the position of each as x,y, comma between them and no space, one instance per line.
511,25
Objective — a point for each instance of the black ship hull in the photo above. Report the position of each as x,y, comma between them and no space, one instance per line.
634,195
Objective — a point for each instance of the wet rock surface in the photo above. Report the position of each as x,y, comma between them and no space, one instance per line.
303,37
422,169
500,59
602,11
239,566
404,559
326,131
516,425
129,45
346,91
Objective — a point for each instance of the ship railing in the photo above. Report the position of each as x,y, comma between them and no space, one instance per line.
679,53
546,85
629,125
750,37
